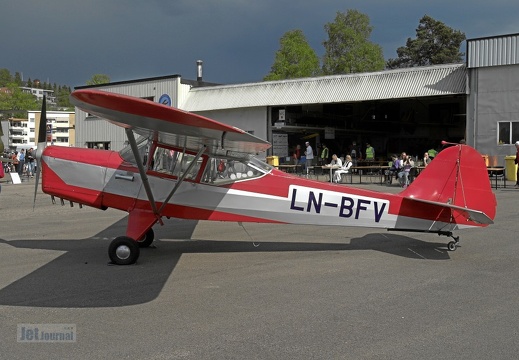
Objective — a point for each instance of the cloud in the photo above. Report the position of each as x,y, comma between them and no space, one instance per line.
68,42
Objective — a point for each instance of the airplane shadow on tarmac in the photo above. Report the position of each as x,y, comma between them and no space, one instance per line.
81,278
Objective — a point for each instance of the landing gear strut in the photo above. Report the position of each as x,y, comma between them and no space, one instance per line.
453,245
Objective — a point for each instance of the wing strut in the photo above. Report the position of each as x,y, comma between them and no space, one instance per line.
142,172
182,177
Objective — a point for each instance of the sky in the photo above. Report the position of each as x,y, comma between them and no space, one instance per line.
67,42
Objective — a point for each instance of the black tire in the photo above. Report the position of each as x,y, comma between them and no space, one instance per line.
452,246
123,251
147,239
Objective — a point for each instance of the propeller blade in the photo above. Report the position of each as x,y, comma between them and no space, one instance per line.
42,142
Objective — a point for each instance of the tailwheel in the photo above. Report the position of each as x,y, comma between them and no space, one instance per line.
453,245
147,239
123,251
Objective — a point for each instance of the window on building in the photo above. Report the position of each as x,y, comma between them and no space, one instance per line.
508,132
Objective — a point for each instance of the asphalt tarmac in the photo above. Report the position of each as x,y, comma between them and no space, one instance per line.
211,290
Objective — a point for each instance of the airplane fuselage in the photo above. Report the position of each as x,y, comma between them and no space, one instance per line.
102,179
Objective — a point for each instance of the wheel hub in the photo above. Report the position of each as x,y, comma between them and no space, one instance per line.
123,252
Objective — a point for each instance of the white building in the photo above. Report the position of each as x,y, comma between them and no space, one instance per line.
60,127
39,93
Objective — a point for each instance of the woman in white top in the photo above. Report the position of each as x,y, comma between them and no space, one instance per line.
343,170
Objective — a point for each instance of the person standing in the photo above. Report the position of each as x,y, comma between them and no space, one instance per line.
426,159
370,153
21,162
309,153
29,159
296,156
356,154
517,162
325,154
432,153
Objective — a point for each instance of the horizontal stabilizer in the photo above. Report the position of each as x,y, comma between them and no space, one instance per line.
471,214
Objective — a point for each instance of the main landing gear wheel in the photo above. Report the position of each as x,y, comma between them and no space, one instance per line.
147,239
123,251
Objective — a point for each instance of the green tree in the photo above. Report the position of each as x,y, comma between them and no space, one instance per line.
98,79
63,97
5,77
18,79
348,48
435,43
294,59
17,101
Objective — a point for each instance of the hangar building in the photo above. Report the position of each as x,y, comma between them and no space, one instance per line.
411,109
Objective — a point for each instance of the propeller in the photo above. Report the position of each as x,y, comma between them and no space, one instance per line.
42,142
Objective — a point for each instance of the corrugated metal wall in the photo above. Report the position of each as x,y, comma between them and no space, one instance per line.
493,51
96,130
494,97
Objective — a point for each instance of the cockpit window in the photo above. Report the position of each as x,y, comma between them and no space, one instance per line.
175,163
143,146
221,170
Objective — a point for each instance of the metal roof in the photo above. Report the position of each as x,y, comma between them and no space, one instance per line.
390,84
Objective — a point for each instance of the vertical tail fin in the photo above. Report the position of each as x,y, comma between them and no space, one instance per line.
457,176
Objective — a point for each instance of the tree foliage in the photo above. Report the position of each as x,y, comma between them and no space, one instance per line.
294,59
62,94
348,48
98,79
16,101
435,43
5,77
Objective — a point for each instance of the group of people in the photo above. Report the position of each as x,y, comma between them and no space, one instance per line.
307,156
20,162
340,167
402,166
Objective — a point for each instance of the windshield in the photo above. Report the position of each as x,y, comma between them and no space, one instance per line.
221,170
217,170
175,163
142,144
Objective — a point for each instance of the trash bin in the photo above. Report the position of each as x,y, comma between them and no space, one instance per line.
274,160
511,168
485,157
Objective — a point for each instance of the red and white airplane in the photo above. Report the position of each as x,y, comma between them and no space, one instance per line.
187,166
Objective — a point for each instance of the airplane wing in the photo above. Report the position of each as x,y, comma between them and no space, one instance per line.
472,215
167,124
